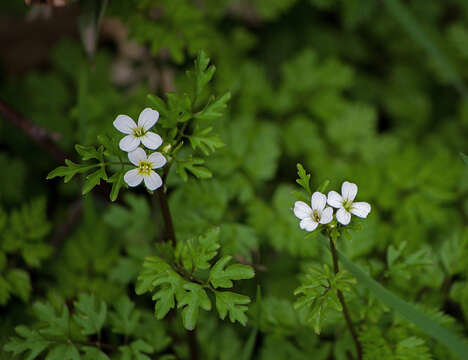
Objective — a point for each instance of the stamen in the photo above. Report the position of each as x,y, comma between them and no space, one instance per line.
347,205
138,132
144,167
316,216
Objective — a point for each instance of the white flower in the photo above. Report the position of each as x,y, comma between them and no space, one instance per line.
144,171
311,217
346,205
138,133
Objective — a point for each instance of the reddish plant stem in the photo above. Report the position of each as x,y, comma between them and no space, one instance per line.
170,235
42,137
164,203
74,214
349,321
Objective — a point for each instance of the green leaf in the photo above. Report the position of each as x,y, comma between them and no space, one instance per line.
214,108
30,340
413,348
192,165
157,273
63,352
158,104
304,178
232,303
92,353
89,314
196,253
125,318
464,158
410,312
88,152
411,26
54,324
322,188
206,143
136,350
111,145
117,182
222,277
180,109
94,179
20,283
319,293
70,170
194,298
203,72
5,289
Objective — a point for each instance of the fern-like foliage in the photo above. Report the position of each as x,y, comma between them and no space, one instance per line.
186,116
185,278
77,334
319,293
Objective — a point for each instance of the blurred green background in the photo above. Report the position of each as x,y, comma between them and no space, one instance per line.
367,91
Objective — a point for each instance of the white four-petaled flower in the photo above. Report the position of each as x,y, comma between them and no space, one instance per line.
144,169
140,133
312,216
346,205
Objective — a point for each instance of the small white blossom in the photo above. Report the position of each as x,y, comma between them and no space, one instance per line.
346,205
138,133
311,217
144,171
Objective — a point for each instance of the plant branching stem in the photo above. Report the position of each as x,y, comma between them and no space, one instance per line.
163,202
349,321
42,137
170,233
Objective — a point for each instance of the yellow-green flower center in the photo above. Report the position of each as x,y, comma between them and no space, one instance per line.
316,216
144,167
139,132
347,205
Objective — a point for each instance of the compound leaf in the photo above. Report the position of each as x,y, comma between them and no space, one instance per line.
222,277
232,303
89,314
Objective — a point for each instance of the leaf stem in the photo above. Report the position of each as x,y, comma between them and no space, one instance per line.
349,321
170,232
163,202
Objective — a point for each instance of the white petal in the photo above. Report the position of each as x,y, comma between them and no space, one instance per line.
148,117
361,209
302,210
348,190
151,140
327,215
133,177
136,156
124,124
129,143
152,181
157,159
343,216
334,199
308,224
318,201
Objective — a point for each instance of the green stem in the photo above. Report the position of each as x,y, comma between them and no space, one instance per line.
348,319
117,163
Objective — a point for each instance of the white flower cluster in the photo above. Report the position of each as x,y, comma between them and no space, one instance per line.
137,134
320,213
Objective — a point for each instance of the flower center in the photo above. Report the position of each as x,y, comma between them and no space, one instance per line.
316,216
139,132
144,167
347,205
